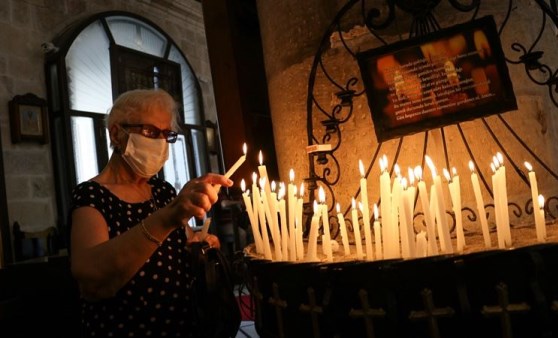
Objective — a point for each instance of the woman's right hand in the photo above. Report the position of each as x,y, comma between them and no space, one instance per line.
196,198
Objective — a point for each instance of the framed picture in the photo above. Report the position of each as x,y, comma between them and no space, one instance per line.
28,120
450,76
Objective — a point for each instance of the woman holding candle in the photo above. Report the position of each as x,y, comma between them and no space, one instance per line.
129,228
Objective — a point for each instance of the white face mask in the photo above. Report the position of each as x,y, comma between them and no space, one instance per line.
146,156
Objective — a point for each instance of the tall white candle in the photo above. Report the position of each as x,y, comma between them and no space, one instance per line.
377,234
283,221
480,205
539,221
504,197
541,213
343,230
395,205
497,208
385,208
263,226
235,166
445,239
422,245
256,201
299,226
271,217
312,255
326,242
356,229
291,207
252,218
367,235
403,221
455,195
428,216
411,194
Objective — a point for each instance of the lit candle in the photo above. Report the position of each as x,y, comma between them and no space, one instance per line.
395,209
385,207
455,195
271,220
411,194
367,234
326,242
283,217
313,236
403,228
263,226
445,239
256,200
480,205
356,228
428,216
252,218
497,208
377,234
541,213
238,163
539,222
299,225
263,172
235,166
504,196
291,206
343,229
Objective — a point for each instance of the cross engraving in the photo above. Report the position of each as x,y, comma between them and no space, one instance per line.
314,311
279,305
258,297
431,313
504,310
367,313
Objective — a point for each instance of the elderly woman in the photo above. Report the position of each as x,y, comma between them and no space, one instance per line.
129,228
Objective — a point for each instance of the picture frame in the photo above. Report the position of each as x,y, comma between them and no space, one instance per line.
450,76
28,119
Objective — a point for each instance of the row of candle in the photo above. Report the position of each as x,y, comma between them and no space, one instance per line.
281,215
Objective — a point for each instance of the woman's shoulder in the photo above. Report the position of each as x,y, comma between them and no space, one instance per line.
88,192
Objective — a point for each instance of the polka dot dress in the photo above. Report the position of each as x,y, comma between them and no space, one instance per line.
154,303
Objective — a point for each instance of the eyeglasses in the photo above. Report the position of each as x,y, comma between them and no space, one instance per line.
151,131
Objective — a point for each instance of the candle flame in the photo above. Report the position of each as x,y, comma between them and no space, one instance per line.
541,201
500,158
291,175
382,166
281,193
360,207
471,166
404,183
447,174
430,165
411,176
254,177
301,192
338,208
316,207
376,212
295,188
353,203
495,162
273,184
243,185
397,170
528,166
262,183
321,195
493,167
260,157
454,171
361,168
418,172
244,148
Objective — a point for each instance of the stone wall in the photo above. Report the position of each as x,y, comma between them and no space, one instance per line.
289,54
24,26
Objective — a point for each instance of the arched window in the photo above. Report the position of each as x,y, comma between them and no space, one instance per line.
92,63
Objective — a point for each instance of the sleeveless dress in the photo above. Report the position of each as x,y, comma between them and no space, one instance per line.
155,302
